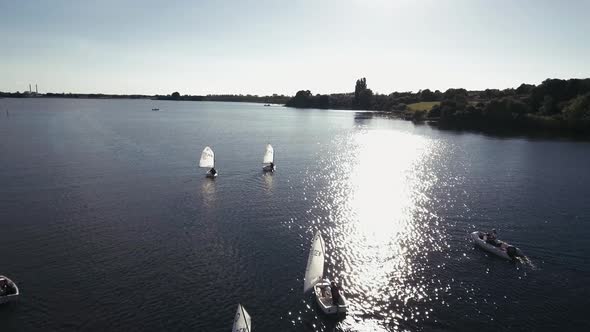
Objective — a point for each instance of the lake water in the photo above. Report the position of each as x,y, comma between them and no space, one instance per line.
106,223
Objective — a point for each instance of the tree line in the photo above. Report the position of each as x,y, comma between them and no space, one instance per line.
554,104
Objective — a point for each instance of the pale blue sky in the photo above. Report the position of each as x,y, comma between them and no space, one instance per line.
265,47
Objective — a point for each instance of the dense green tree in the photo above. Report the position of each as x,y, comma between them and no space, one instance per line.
549,106
363,97
427,95
578,110
524,89
302,99
361,85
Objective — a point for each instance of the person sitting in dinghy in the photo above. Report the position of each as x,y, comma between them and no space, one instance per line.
491,237
335,293
213,171
272,166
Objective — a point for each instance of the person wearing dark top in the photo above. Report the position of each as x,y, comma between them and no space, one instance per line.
212,171
491,237
335,293
272,166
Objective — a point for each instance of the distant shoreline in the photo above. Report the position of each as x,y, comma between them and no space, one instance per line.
274,99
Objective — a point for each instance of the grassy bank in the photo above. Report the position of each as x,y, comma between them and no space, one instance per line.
423,106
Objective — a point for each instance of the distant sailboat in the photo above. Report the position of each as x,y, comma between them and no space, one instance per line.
314,274
242,320
269,158
208,161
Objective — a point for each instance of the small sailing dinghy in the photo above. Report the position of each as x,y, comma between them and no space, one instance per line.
269,159
208,161
8,290
498,248
314,280
242,320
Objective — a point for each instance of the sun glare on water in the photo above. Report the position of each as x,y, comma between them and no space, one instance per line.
377,226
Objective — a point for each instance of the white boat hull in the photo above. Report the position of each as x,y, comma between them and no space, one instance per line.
500,251
212,176
13,295
323,298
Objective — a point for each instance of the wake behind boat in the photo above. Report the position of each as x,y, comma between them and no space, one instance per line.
268,159
208,161
8,290
496,247
242,320
327,294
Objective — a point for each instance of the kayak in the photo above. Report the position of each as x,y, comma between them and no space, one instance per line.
500,248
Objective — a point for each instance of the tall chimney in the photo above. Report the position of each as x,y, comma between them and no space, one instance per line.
36,91
30,88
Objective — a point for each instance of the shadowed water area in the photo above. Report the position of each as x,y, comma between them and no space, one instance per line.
106,223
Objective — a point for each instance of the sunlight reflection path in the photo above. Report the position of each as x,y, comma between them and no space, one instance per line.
378,226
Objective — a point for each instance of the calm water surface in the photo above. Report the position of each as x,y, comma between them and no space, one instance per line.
106,223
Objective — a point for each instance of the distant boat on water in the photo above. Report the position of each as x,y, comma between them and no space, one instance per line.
266,104
155,109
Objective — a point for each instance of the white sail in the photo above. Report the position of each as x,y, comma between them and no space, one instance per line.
207,158
241,321
315,263
269,155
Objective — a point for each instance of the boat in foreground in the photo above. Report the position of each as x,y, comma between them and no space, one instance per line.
321,286
242,320
499,248
8,290
208,161
269,159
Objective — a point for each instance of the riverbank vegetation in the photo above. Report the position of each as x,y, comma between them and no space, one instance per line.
555,105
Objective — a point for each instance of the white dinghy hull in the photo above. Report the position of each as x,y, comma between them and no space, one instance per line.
501,251
323,298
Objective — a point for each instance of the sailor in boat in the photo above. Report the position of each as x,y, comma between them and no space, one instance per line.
491,237
335,290
272,166
212,171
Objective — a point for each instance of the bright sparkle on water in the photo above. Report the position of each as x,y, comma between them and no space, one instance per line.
378,230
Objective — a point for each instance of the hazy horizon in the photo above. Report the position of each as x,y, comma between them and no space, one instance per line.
266,47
